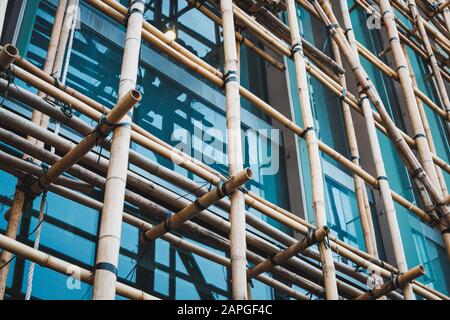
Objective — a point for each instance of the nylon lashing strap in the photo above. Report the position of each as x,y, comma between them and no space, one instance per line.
311,236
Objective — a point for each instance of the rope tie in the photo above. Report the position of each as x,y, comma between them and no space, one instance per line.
311,236
101,136
307,129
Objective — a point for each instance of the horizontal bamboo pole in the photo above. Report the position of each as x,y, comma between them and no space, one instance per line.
8,54
314,237
47,261
397,282
111,121
202,203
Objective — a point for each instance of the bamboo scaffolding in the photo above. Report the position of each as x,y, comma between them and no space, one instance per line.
111,220
360,190
19,201
110,122
266,208
139,223
147,206
409,159
277,210
432,62
309,134
399,281
8,117
390,211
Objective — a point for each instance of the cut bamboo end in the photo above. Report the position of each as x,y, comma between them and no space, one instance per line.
397,282
8,54
124,105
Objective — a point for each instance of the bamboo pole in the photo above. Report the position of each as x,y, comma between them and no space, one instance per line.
313,151
360,190
383,183
313,237
426,126
399,281
8,54
111,221
200,204
234,152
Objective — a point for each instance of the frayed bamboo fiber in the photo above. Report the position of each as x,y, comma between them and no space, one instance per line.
408,157
318,196
270,210
234,153
360,190
200,204
111,221
312,238
61,266
397,282
384,186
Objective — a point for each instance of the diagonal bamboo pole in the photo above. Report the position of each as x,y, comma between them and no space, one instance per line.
225,189
111,221
399,281
104,128
313,237
383,183
318,196
234,151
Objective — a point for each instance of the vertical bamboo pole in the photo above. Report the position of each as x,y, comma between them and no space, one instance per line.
234,151
51,53
426,125
383,183
368,233
20,197
329,272
61,50
105,275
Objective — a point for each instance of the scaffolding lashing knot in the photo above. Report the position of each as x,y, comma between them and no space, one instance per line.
311,236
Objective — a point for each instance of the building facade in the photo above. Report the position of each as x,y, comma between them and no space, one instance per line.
185,110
